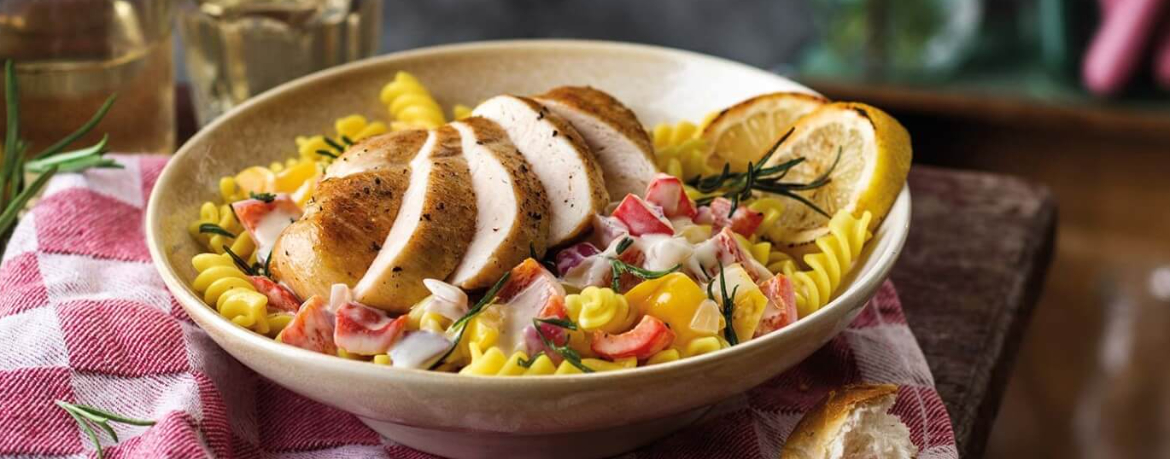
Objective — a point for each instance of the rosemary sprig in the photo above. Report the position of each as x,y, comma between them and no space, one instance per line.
327,153
14,192
738,186
212,228
461,324
87,416
728,306
564,351
348,141
618,267
266,197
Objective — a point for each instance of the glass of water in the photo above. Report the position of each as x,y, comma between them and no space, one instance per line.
72,54
236,49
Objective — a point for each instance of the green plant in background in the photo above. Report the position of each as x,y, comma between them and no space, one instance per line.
17,167
891,39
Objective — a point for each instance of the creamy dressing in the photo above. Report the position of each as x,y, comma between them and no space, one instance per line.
339,294
418,349
518,315
268,230
446,300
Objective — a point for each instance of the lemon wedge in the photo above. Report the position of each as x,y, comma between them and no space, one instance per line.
875,156
746,131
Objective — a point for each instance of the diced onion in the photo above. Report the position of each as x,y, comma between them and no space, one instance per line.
706,318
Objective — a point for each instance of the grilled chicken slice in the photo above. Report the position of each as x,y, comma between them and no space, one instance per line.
511,207
570,174
378,152
347,221
613,133
432,230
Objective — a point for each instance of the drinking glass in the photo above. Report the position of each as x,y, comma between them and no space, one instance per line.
72,54
238,48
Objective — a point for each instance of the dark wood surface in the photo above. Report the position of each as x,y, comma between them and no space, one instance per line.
969,277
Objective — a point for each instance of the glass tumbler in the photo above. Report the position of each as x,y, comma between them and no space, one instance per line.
236,49
72,54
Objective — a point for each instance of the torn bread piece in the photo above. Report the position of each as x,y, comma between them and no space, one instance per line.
852,423
431,232
511,206
560,158
613,133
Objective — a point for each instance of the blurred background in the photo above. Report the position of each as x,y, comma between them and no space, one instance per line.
1074,94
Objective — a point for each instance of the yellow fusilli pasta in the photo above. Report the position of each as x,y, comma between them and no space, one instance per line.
493,362
600,309
838,250
225,286
410,104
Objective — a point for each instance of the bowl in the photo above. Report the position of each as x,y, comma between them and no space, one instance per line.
589,415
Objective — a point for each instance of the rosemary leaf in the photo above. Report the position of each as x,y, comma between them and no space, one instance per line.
335,145
528,363
67,161
327,153
728,306
624,244
462,322
212,228
240,262
566,324
348,141
81,131
565,352
12,136
87,415
266,197
8,216
93,438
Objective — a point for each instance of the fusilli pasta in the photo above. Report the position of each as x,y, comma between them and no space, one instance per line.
838,250
600,309
410,104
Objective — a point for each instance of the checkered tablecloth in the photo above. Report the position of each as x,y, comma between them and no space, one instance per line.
84,318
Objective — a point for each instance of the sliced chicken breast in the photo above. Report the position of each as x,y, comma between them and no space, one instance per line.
346,222
432,230
511,206
560,158
613,133
377,152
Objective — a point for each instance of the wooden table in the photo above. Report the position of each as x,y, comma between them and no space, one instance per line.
969,278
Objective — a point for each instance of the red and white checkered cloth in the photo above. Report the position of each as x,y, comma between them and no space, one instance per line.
84,318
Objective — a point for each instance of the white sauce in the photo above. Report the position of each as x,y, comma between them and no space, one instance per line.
339,294
269,229
518,315
418,349
446,300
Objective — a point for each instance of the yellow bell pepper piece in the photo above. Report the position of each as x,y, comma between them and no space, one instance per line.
673,298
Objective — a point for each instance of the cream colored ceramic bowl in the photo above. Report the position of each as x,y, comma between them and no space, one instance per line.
590,415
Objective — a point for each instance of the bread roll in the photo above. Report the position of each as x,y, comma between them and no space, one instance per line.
852,423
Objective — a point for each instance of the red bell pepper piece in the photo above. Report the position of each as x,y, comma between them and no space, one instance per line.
644,340
642,218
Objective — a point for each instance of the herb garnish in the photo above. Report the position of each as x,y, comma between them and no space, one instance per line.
240,262
624,244
88,415
566,324
728,306
738,186
14,192
348,141
528,363
461,324
334,144
212,228
564,351
327,153
618,267
266,197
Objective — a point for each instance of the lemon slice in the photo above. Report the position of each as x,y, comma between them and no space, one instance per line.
875,157
745,131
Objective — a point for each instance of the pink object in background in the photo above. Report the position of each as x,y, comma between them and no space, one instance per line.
1119,44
